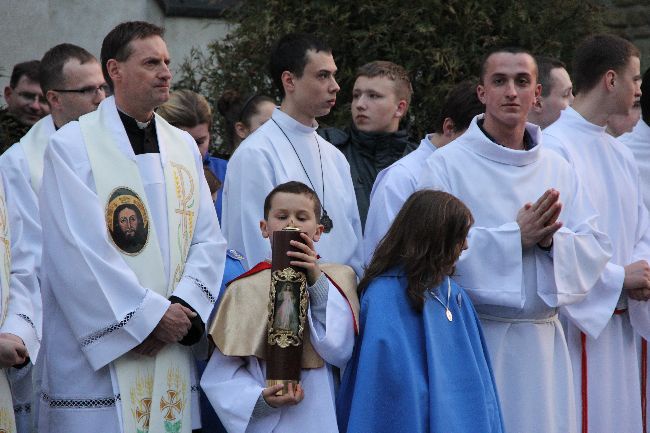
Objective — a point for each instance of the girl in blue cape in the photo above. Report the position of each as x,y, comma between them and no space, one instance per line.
420,364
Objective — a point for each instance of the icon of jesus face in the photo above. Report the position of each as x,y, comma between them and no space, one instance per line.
128,222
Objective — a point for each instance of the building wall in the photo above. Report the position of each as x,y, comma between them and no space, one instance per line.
31,27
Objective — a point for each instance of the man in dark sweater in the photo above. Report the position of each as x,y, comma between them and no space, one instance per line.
380,98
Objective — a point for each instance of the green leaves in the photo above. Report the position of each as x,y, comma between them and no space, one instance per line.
440,42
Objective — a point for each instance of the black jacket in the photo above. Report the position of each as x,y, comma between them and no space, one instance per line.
368,154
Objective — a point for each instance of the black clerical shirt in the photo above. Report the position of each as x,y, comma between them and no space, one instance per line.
145,140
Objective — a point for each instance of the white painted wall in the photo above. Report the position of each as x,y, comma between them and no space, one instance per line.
31,27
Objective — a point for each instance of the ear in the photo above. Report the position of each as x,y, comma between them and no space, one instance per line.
264,229
288,82
8,92
610,79
402,107
241,130
538,91
448,127
480,92
538,105
114,71
318,233
53,99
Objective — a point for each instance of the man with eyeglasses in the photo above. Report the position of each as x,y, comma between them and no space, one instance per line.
71,79
25,103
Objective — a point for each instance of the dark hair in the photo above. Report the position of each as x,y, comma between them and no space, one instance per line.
544,67
289,53
235,108
511,50
186,109
28,69
645,97
293,187
392,71
425,240
598,54
461,105
50,72
116,44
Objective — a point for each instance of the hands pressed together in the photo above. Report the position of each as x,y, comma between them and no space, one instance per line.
538,221
173,326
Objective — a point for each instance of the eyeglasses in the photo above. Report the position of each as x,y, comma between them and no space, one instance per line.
86,91
29,96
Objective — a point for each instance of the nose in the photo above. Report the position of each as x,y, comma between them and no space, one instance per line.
166,73
360,103
99,96
510,89
335,86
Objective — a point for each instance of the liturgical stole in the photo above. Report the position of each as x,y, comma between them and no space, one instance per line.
34,144
7,421
155,391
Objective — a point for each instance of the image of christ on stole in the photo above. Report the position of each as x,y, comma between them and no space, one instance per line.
286,308
127,221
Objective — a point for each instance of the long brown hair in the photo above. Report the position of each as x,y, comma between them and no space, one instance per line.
425,241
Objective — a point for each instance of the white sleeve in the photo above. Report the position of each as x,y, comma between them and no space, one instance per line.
233,386
24,312
206,258
391,190
333,340
640,310
107,309
243,204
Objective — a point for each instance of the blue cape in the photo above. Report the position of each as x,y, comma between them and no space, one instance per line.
417,372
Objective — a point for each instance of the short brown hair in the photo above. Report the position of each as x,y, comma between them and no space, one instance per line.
544,67
392,71
28,69
116,44
461,106
50,72
509,50
293,187
598,54
186,109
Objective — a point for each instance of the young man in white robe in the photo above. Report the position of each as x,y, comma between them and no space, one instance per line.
533,248
77,77
395,184
601,329
19,339
132,255
638,141
235,378
287,148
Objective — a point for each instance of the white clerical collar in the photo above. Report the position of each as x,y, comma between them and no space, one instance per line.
476,141
641,129
289,124
573,116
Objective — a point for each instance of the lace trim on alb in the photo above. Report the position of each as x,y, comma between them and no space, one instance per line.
204,289
84,403
90,339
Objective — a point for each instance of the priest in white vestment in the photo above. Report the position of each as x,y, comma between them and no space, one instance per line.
601,330
287,148
19,310
132,255
525,260
397,182
66,66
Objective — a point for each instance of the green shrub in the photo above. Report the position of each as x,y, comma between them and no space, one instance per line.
440,42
